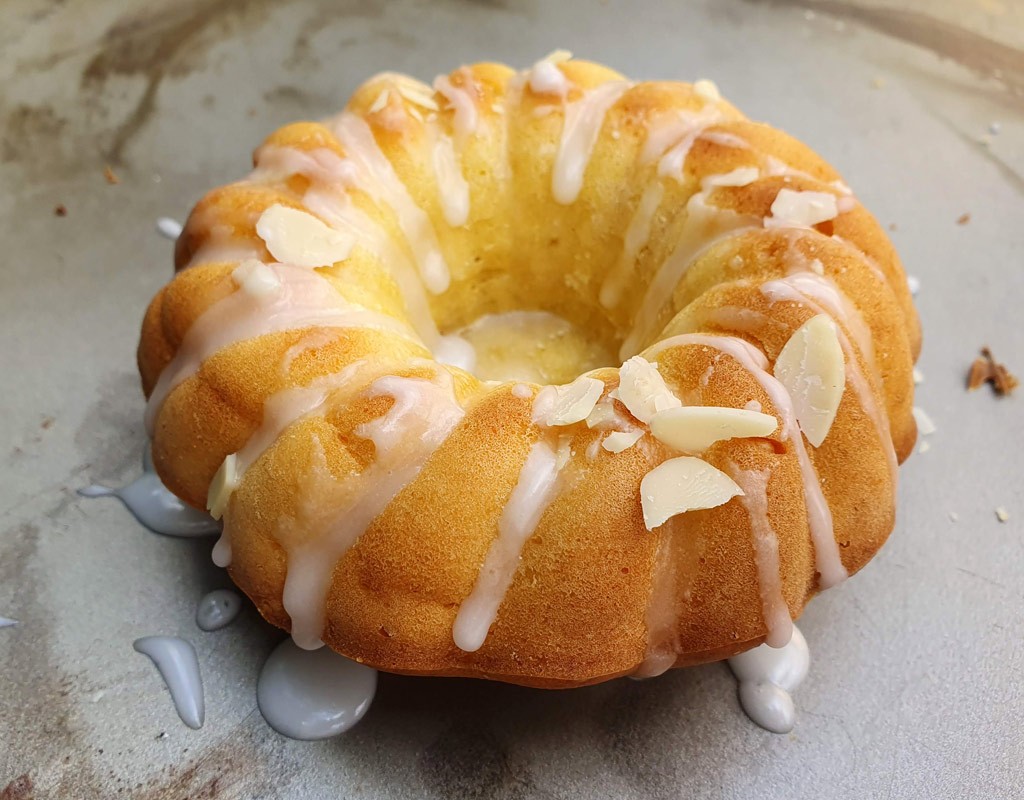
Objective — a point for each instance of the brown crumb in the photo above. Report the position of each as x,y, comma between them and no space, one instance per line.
60,210
108,173
963,219
47,423
987,370
892,226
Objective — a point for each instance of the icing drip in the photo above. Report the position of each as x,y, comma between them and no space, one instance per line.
822,296
583,121
670,138
754,499
178,664
704,226
826,550
311,696
377,177
451,183
6,622
546,78
169,228
766,676
275,164
463,100
536,488
305,299
218,609
726,139
334,513
339,211
662,616
151,504
637,235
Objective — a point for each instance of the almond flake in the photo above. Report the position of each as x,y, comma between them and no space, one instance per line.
694,429
925,426
296,237
1002,514
224,482
256,279
801,209
567,404
618,441
741,176
683,484
707,91
642,389
812,368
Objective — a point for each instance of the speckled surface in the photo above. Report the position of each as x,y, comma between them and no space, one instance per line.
915,689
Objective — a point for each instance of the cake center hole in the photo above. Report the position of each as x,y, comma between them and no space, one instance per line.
535,346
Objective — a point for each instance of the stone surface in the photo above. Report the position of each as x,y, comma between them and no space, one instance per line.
915,689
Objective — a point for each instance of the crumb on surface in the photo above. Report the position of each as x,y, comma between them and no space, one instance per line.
110,176
964,218
1002,514
60,210
985,369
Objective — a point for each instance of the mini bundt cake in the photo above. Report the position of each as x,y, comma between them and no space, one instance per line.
388,362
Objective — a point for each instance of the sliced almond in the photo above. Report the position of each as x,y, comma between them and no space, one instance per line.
642,389
567,404
812,368
741,176
925,426
295,237
224,483
707,91
617,441
694,429
801,209
604,414
683,484
257,279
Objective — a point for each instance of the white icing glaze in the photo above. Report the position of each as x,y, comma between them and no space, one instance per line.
178,664
451,183
218,609
168,228
661,615
766,676
6,622
337,208
336,512
637,235
726,139
316,695
456,351
822,296
154,506
306,300
275,163
705,224
546,78
522,391
754,499
534,491
463,100
583,121
376,176
826,550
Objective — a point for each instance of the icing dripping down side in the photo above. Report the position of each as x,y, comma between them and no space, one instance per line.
155,507
754,499
313,695
536,488
766,677
583,121
826,550
335,513
178,664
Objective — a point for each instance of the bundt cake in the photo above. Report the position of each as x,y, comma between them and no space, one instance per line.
545,377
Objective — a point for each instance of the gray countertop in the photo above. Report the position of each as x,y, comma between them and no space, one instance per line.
915,689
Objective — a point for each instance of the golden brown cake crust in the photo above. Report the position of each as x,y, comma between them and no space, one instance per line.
591,580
